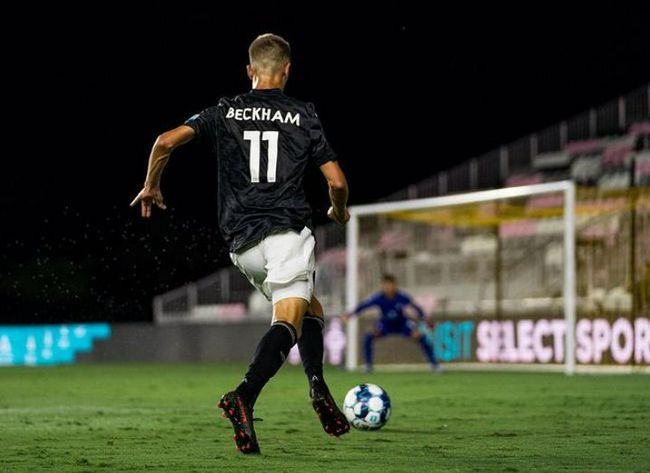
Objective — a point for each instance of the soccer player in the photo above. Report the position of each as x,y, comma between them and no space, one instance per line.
264,141
394,306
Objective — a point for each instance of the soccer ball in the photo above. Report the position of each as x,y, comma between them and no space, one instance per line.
367,407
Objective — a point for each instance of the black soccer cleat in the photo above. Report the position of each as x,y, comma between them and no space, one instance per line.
240,414
332,419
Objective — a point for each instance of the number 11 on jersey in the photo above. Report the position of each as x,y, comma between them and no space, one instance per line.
254,137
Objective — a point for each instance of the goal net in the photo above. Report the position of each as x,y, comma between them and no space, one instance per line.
495,271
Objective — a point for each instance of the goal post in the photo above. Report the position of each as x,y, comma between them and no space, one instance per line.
428,216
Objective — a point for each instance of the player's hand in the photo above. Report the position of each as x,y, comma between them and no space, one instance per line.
345,318
338,218
147,197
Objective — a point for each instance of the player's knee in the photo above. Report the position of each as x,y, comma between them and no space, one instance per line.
291,310
296,326
315,308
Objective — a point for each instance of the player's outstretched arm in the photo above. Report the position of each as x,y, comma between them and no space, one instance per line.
417,309
338,190
160,153
364,305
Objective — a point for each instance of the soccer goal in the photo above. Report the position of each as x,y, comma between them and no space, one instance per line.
495,269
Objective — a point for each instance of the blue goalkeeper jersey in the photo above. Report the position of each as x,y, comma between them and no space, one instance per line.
392,310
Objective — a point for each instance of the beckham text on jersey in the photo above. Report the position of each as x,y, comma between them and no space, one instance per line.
263,114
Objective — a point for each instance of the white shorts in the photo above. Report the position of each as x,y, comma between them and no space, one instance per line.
281,265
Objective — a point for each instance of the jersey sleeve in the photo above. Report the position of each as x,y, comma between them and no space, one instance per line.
417,308
372,301
204,124
320,150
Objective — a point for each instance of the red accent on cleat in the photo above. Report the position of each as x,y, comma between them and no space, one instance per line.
240,415
332,419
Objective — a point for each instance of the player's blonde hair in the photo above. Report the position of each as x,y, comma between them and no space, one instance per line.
268,53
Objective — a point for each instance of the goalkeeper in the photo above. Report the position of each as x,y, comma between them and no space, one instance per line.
394,320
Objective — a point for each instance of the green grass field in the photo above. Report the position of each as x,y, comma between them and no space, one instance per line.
106,418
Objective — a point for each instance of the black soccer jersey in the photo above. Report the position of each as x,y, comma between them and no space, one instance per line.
264,141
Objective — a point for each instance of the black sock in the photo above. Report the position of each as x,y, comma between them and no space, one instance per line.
271,352
311,347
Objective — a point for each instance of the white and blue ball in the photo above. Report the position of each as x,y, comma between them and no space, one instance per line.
367,407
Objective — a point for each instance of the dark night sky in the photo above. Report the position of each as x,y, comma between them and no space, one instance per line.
402,94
